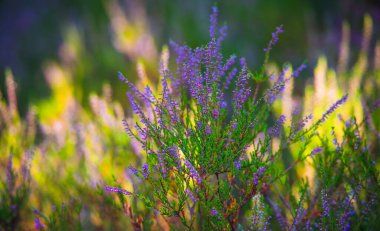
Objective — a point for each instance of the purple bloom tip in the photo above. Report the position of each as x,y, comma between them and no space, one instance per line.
145,170
214,212
237,164
132,170
38,224
117,190
315,151
121,77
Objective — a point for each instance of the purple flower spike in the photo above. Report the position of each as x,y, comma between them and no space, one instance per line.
315,151
208,130
145,170
297,72
117,190
237,164
277,89
132,170
260,171
193,172
191,195
38,224
213,22
335,106
258,175
215,113
274,39
325,204
242,90
173,153
275,130
348,212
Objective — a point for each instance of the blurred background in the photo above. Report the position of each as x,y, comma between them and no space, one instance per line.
62,105
96,39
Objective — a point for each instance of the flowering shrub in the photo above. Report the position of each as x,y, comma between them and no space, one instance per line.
15,195
213,153
208,157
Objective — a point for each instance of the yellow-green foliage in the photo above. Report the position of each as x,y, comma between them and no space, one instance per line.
328,84
74,149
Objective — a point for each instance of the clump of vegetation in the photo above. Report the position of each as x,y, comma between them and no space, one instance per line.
210,148
213,150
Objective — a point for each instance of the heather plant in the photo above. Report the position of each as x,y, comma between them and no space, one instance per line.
212,149
349,180
73,146
15,159
64,217
14,194
342,180
343,190
208,156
